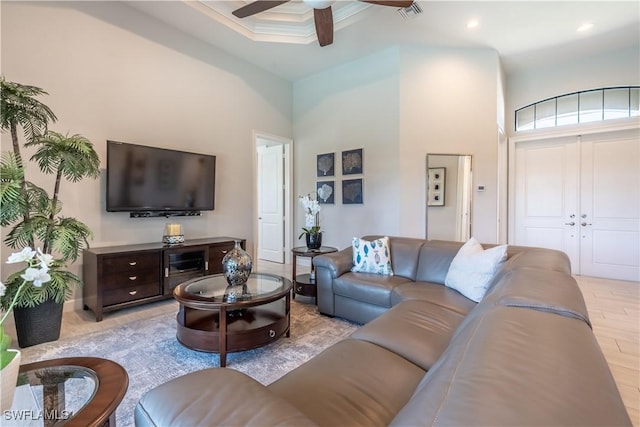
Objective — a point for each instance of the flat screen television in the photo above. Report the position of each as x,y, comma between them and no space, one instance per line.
147,180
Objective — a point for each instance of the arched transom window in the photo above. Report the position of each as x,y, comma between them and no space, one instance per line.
580,107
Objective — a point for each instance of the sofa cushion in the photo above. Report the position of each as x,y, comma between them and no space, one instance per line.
536,289
434,293
473,269
404,255
371,256
216,396
416,330
434,260
546,259
359,312
352,383
508,366
366,287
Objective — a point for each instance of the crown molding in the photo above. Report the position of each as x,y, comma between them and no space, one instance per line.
291,22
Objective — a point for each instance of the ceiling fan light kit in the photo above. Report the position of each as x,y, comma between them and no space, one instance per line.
322,13
319,4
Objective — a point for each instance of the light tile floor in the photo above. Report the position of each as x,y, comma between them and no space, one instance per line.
614,308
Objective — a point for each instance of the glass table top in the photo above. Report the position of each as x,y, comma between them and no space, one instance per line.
52,395
216,289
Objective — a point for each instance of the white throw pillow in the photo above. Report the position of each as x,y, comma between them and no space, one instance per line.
372,256
473,268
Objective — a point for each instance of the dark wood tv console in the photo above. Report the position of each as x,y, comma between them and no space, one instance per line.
118,277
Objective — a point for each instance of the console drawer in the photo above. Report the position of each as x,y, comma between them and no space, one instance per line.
216,253
126,279
131,293
132,261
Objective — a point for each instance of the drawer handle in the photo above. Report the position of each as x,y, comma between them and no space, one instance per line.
132,263
224,252
272,333
133,277
299,288
133,292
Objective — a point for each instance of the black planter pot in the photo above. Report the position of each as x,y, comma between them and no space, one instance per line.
314,241
39,324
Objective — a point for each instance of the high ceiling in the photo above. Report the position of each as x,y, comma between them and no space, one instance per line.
524,33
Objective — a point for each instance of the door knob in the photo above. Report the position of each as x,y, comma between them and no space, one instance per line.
570,223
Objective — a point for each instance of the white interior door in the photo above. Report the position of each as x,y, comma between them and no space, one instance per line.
546,205
610,206
271,203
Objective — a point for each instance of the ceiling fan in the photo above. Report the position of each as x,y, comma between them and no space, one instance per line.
322,14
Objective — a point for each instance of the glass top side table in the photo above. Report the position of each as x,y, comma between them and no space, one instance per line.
72,391
305,284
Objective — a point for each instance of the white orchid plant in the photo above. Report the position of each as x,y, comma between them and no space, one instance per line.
35,274
311,219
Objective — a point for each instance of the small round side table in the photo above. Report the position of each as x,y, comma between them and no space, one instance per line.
305,284
72,391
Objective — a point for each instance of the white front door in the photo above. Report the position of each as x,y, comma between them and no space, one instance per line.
581,195
271,203
610,206
546,203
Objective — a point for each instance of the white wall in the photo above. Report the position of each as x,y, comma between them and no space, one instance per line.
616,68
398,105
448,105
351,106
114,73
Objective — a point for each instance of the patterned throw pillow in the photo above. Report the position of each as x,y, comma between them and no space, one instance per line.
372,257
473,269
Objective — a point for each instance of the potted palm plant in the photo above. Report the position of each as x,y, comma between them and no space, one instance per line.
34,216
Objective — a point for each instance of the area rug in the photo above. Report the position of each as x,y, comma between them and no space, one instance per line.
150,353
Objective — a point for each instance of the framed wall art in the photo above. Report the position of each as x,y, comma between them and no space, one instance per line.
435,191
352,191
325,165
326,192
352,163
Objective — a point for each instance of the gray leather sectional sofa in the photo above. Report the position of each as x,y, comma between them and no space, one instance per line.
524,355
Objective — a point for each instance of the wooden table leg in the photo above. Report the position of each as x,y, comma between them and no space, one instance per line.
293,279
53,396
287,310
223,336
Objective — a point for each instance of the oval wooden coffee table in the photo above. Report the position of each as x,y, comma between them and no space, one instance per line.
74,391
217,318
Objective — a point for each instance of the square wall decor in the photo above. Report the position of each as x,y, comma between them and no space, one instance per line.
435,190
352,162
325,165
352,191
326,192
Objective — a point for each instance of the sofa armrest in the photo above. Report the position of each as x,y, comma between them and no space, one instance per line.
337,263
329,267
215,397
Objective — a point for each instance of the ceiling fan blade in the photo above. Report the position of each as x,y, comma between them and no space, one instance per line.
257,7
395,3
324,25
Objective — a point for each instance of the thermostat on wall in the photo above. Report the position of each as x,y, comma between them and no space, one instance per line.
480,187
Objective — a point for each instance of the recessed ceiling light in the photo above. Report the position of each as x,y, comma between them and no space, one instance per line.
585,27
472,24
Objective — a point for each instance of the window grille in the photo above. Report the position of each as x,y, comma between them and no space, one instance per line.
580,107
